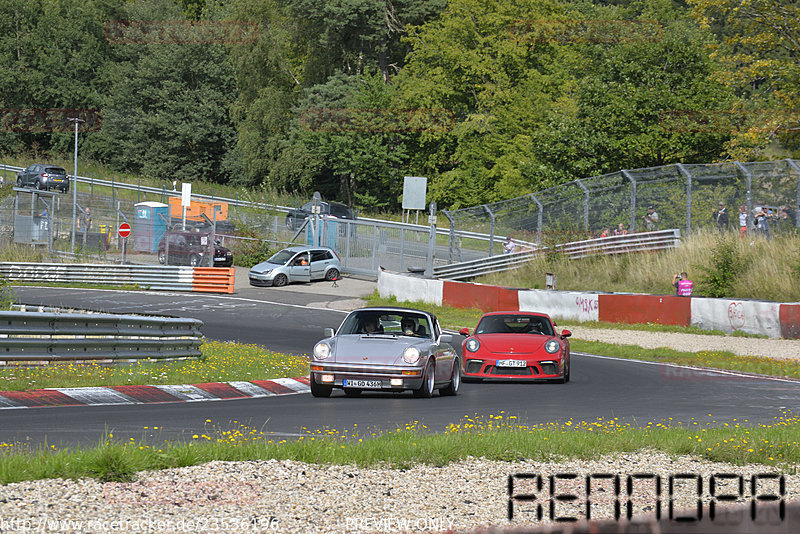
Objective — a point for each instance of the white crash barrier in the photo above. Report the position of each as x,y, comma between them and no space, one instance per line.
567,305
410,288
752,317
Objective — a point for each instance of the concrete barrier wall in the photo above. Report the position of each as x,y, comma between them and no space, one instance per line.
630,309
749,316
753,317
483,297
410,288
568,305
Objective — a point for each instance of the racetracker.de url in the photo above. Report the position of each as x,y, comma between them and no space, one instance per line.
46,523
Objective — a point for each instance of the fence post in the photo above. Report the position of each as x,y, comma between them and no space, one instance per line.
749,179
627,175
491,229
797,206
585,204
402,246
538,220
431,242
688,177
452,235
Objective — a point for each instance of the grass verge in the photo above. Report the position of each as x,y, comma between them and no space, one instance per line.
220,362
495,437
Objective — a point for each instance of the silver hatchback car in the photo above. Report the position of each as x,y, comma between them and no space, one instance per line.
296,264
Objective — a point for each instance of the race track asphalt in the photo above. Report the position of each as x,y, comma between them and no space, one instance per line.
635,392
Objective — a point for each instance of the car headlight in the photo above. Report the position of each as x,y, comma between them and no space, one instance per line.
552,346
411,355
322,351
473,344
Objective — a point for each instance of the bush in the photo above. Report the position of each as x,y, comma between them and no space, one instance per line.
727,263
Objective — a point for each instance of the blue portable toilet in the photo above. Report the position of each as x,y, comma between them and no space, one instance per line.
149,225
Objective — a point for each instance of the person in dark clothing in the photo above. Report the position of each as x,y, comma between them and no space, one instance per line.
721,218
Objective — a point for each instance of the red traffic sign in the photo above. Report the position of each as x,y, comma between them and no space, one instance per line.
124,230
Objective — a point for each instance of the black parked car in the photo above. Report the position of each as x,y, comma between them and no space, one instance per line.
189,248
44,177
295,218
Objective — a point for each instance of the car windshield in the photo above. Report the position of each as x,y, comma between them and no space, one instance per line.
281,257
340,211
399,323
514,324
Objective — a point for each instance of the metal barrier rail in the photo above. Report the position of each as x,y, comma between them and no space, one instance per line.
34,336
147,276
641,242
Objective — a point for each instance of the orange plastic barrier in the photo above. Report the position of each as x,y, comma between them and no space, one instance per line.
632,309
789,315
213,279
483,297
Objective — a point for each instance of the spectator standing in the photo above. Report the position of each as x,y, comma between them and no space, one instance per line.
651,219
620,230
606,232
683,286
509,246
721,218
742,221
761,223
86,220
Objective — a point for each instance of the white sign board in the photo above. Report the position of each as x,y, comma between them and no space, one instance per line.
186,195
415,189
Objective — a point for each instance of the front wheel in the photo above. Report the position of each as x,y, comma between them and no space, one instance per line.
19,181
39,185
566,375
425,391
320,390
194,260
455,381
332,275
162,258
280,280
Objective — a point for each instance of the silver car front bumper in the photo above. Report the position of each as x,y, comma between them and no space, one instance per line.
411,376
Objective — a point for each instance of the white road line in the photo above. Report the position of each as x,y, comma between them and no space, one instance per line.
703,369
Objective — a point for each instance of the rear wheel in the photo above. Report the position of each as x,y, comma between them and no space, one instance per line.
320,390
39,185
455,381
352,392
19,181
425,391
280,280
162,258
332,275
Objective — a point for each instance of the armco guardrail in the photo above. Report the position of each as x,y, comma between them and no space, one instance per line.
34,336
168,278
639,242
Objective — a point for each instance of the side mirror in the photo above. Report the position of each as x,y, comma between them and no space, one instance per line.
330,332
446,338
464,331
565,333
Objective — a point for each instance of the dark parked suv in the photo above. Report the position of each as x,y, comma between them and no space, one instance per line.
190,248
44,177
295,218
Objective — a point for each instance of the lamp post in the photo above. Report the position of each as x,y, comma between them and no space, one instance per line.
75,120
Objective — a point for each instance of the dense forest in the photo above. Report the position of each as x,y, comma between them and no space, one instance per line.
489,99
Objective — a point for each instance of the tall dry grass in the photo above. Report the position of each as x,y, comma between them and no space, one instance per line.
771,269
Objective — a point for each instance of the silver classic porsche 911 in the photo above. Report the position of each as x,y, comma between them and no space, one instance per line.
386,349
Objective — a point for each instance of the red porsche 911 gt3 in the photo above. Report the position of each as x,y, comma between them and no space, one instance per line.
516,345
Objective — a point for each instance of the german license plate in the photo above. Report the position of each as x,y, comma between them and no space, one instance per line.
220,258
365,384
511,363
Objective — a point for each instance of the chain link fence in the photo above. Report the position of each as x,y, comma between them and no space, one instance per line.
683,196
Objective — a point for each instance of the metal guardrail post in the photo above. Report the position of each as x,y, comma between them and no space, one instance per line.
797,206
585,204
402,246
749,179
491,229
688,177
627,175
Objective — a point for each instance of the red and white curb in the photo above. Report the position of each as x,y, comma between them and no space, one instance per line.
117,395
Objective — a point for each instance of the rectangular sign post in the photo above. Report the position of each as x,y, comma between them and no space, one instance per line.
186,200
124,231
415,190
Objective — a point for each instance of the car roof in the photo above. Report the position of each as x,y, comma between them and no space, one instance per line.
512,312
298,248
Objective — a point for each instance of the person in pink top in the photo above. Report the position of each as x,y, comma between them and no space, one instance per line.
683,286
